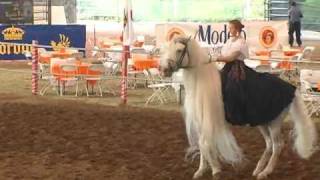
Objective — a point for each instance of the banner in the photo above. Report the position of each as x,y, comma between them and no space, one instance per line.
259,34
54,35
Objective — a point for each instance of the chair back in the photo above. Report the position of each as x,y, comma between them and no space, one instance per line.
155,73
71,60
306,53
96,70
68,70
44,70
115,68
308,78
55,65
109,67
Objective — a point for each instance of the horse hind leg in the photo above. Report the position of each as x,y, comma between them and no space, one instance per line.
277,144
267,152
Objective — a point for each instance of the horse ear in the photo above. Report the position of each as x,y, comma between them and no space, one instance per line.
177,40
183,40
180,45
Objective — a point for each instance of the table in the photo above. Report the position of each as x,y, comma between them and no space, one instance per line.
141,62
59,54
44,59
264,60
262,52
81,66
81,72
291,52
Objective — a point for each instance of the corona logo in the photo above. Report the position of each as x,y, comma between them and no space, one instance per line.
13,34
63,43
268,37
173,32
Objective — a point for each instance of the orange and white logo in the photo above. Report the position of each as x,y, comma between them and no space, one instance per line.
63,43
13,33
268,36
174,32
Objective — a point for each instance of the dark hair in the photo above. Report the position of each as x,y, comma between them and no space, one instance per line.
293,3
237,24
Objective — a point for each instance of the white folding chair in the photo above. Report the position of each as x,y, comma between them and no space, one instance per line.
68,77
133,74
47,75
306,53
292,75
94,76
159,86
111,68
28,55
308,81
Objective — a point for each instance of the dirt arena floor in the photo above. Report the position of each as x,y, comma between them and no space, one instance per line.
41,138
81,138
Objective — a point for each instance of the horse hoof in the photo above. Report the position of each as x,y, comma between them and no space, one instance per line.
256,172
262,176
199,173
215,172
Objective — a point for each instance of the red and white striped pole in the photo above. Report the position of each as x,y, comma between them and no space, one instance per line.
35,78
124,81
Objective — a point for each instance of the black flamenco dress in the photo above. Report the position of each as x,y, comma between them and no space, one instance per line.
253,98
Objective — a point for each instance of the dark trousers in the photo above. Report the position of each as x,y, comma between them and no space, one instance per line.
295,27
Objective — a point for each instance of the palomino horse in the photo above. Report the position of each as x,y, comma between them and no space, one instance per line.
207,130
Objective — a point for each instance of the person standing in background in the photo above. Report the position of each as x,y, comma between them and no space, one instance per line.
295,16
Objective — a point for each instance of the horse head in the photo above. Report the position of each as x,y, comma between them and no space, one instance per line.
177,55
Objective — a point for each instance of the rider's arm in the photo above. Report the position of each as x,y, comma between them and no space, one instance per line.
233,56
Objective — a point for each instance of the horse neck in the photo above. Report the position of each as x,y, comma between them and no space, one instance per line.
201,70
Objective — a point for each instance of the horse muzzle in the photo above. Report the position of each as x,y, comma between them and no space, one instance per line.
167,72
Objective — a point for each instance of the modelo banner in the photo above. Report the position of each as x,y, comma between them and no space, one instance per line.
54,35
259,34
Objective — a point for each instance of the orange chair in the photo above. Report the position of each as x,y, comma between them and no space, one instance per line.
142,62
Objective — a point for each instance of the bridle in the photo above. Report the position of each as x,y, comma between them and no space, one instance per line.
184,53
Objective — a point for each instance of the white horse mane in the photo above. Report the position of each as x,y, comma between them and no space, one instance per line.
206,127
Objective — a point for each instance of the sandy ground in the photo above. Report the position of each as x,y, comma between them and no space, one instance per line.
82,138
59,139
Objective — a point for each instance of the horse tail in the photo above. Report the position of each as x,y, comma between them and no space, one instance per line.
305,133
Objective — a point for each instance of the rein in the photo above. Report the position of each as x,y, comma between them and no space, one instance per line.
184,52
188,66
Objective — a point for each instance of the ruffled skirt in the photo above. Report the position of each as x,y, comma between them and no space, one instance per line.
251,97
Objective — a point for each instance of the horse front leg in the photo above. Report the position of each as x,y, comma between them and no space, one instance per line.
203,167
207,160
267,152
